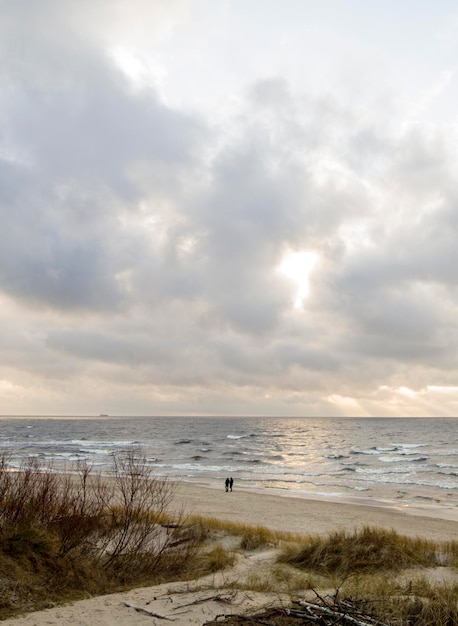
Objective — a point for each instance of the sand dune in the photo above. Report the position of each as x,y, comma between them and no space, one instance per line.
194,603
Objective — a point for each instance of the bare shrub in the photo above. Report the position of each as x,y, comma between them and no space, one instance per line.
131,534
17,492
80,515
120,522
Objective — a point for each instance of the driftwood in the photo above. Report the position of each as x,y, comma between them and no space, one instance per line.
347,612
139,609
223,599
324,613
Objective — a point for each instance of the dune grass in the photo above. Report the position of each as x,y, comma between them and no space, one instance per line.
214,560
367,565
252,537
366,550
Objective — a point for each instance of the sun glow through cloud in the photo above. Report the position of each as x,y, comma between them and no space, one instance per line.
298,266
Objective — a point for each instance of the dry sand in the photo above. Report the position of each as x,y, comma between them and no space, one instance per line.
193,603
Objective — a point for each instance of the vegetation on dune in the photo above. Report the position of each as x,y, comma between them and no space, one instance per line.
367,550
383,570
251,537
70,536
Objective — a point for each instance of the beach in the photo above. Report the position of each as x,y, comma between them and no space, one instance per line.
188,604
312,516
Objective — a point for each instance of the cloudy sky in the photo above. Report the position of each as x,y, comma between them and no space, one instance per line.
229,207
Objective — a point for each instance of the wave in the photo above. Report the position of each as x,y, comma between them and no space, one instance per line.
401,449
88,443
402,459
446,466
95,451
196,467
397,479
368,451
383,471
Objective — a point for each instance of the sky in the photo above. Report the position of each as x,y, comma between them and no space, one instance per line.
229,207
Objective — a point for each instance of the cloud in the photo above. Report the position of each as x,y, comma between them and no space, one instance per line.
142,234
76,140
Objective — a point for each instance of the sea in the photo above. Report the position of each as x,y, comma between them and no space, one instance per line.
404,463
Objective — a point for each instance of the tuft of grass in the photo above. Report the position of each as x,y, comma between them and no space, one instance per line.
366,550
253,537
256,538
293,581
447,554
440,608
214,560
419,602
260,581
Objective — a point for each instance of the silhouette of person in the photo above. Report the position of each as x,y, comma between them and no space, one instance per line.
231,482
227,483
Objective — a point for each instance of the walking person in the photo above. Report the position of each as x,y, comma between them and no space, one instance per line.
227,483
231,482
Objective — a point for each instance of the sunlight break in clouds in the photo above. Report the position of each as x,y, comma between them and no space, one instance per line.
298,266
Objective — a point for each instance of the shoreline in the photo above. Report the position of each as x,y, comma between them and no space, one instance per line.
410,508
307,515
424,509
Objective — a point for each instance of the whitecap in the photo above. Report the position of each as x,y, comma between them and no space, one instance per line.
402,459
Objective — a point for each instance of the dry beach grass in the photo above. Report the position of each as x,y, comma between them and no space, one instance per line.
188,553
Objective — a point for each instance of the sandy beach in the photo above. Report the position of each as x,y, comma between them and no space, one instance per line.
308,516
187,604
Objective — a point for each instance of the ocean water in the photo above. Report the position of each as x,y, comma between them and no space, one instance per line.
383,461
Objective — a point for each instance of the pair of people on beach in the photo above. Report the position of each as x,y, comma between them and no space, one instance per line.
229,482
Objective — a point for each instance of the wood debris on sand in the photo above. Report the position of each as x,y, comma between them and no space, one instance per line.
302,613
